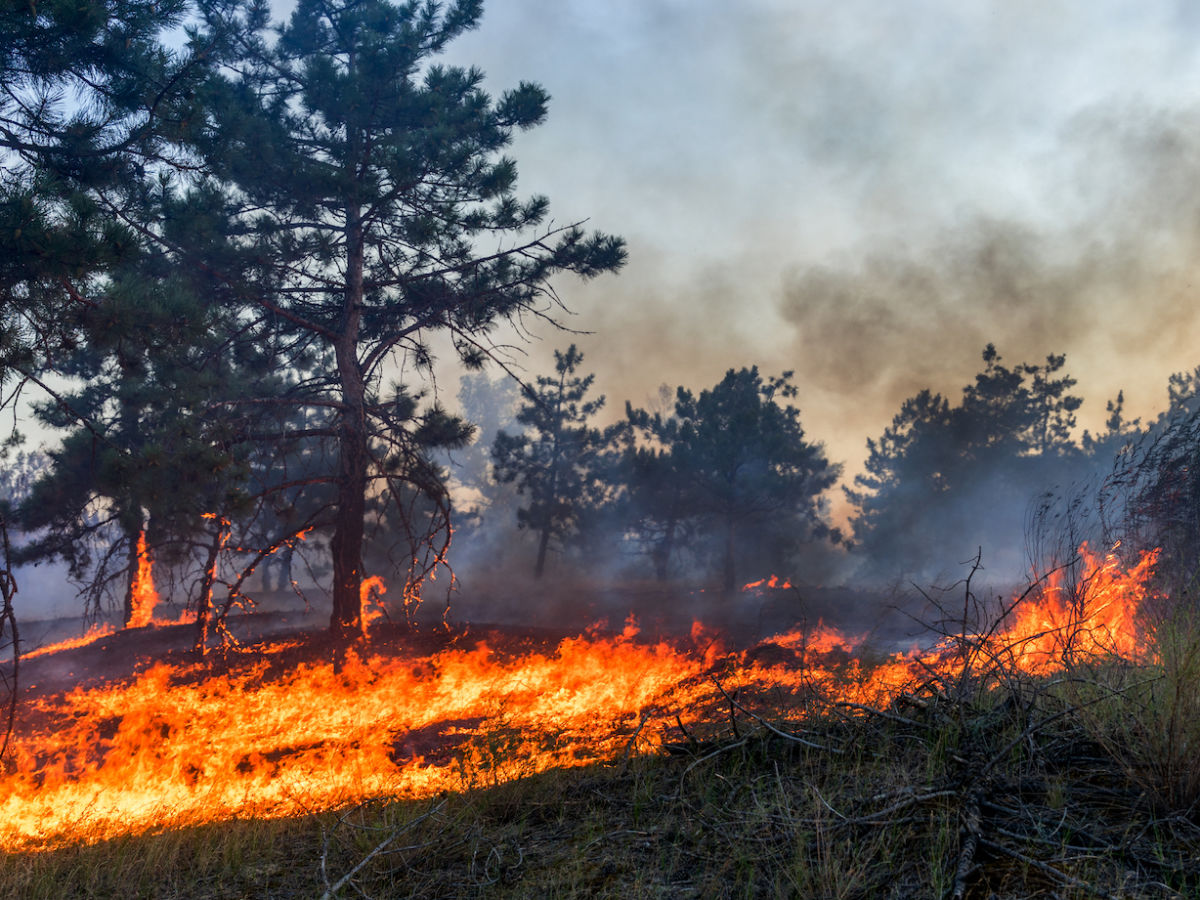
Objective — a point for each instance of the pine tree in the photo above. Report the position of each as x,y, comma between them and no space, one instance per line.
92,98
735,461
959,477
148,446
367,184
556,462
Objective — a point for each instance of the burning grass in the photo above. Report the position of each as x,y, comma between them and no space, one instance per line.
1014,760
743,812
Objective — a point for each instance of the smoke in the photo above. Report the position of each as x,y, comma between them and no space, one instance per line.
868,195
1111,282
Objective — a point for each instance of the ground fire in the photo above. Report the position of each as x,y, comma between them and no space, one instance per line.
266,730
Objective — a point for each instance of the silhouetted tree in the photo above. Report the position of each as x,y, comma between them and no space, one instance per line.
661,505
147,443
732,461
1150,497
946,479
557,463
94,96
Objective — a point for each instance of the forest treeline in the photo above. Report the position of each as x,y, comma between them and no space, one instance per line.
724,485
228,247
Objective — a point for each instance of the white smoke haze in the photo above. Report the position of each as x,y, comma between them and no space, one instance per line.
869,193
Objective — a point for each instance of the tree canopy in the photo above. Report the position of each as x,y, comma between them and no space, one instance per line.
558,462
946,480
326,191
734,462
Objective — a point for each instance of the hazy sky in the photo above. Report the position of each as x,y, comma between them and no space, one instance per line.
868,192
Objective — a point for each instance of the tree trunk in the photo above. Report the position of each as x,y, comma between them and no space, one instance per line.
348,529
204,603
131,574
543,544
729,582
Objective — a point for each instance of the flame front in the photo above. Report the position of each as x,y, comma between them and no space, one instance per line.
171,747
178,745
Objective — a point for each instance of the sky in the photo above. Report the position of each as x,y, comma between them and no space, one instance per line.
867,192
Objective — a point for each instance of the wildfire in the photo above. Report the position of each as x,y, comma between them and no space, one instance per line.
181,744
774,583
370,598
95,633
145,597
1095,615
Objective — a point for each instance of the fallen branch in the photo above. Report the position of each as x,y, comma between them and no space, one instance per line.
331,890
972,826
787,736
1059,876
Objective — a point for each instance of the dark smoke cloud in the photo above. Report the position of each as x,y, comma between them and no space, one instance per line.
1113,283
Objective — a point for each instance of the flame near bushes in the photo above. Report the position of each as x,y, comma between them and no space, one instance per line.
183,744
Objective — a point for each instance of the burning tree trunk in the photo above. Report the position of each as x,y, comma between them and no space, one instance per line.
204,604
140,596
8,623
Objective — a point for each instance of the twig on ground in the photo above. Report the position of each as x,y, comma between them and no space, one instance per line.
1059,876
331,890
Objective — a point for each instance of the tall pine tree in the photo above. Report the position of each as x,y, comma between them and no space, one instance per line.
555,463
368,186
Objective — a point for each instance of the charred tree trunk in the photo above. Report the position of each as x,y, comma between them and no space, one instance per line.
729,579
353,453
204,604
133,558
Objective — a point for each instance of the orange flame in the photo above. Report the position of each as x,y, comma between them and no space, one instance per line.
773,583
371,589
95,633
174,745
145,597
1097,615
